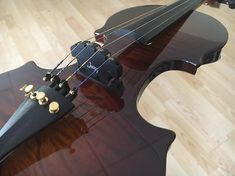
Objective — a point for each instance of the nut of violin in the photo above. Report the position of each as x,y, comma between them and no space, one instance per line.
54,107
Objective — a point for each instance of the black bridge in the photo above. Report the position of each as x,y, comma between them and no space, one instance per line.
97,64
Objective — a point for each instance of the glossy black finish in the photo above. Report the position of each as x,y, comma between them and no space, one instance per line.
30,118
105,135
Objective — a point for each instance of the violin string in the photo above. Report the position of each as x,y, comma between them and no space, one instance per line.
65,58
87,78
119,38
70,62
124,24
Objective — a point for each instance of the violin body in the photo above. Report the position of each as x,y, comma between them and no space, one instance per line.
105,134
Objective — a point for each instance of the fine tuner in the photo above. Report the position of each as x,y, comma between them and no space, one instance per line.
27,89
54,107
41,97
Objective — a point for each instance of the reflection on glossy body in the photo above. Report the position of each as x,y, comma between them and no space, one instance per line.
110,137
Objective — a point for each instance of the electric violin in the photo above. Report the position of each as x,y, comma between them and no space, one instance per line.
82,119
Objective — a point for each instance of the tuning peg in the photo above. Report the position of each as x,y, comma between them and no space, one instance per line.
54,107
42,99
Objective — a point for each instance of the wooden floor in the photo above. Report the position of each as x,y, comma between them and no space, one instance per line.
200,109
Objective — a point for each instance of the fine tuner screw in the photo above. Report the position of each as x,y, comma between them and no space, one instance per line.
27,89
33,95
42,99
23,87
54,107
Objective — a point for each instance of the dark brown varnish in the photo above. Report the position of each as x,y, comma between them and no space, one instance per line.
105,135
